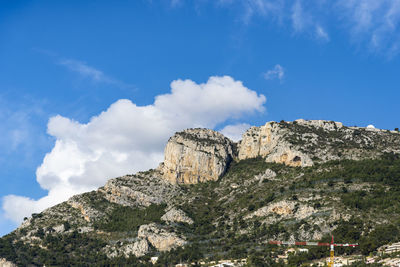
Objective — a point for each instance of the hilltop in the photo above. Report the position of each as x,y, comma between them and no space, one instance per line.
213,198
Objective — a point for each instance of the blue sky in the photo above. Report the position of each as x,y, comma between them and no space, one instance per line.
66,66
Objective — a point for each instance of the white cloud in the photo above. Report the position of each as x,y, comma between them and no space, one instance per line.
235,131
374,23
371,126
175,3
321,33
19,126
127,138
272,8
298,18
90,72
278,72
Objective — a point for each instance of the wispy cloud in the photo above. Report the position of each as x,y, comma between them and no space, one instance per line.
20,127
83,69
90,72
175,3
374,24
321,33
278,72
298,17
271,8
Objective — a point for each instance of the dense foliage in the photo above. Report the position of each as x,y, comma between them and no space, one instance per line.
72,249
129,219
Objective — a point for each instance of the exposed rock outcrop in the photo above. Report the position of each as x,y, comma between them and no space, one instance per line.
139,190
284,209
5,263
301,142
196,155
159,238
176,215
269,141
138,248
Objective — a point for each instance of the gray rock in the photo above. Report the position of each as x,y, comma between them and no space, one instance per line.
5,263
140,190
159,238
139,248
176,215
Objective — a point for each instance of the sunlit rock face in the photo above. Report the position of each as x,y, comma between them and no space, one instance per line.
269,141
302,143
196,155
200,155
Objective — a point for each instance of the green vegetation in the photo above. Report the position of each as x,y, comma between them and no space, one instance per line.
127,219
72,249
355,199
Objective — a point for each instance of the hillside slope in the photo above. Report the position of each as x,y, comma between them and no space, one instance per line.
212,199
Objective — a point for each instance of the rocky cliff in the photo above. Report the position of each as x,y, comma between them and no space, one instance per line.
215,198
196,155
199,155
302,142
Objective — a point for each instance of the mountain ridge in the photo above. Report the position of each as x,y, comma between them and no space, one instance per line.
260,186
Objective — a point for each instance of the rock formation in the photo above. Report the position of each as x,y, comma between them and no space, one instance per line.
268,141
138,248
139,190
176,215
196,155
5,263
301,142
147,213
159,238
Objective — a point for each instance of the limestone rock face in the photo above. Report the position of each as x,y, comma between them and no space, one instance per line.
268,141
286,209
5,263
176,215
138,248
159,238
302,142
139,190
196,155
87,212
326,125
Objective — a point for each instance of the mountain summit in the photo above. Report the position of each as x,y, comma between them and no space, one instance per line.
213,198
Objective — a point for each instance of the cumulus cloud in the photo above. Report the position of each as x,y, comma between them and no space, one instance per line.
278,72
127,138
235,131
